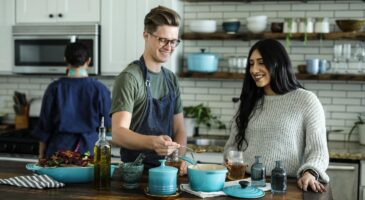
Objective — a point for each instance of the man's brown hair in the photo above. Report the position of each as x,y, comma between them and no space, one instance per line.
160,16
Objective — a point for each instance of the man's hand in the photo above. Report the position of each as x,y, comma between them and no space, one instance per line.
309,180
163,145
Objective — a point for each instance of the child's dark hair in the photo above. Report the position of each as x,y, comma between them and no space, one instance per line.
76,54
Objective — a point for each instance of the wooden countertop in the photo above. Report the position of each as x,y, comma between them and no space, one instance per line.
85,191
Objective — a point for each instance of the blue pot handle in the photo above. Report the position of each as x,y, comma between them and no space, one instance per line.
32,167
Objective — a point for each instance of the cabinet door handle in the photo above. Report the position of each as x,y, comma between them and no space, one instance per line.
60,15
343,168
50,15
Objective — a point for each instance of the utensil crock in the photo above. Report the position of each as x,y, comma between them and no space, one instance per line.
162,180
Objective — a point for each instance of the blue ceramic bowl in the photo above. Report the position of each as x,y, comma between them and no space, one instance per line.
231,26
207,177
67,174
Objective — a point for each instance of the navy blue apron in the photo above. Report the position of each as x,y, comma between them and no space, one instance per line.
157,118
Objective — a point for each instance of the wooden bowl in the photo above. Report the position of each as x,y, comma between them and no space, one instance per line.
350,25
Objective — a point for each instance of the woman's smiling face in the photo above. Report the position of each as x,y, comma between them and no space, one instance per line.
259,73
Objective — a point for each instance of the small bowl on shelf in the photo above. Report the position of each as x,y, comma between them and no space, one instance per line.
277,27
231,26
350,25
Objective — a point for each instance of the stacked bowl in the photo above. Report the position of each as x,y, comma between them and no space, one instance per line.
257,24
231,26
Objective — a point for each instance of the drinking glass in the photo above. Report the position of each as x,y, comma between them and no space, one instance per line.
235,165
337,54
359,55
347,55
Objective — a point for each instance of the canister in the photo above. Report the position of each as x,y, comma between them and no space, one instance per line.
162,180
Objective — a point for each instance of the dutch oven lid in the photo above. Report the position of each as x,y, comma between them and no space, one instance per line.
163,168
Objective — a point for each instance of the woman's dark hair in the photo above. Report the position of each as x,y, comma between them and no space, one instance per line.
283,80
76,54
160,16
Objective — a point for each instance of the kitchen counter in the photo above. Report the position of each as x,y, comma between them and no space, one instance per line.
346,150
338,150
85,191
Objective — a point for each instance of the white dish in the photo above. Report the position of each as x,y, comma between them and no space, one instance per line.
203,26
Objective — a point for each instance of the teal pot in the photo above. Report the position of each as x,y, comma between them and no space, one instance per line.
203,62
162,180
207,177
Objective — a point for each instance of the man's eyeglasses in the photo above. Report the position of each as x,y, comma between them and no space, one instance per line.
165,41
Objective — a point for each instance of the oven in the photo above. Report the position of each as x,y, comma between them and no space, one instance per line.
39,49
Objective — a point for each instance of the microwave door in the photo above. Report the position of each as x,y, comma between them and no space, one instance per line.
45,55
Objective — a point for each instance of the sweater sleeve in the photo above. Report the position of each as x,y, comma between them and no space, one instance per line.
316,152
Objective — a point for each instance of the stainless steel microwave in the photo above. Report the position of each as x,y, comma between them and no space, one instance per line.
39,49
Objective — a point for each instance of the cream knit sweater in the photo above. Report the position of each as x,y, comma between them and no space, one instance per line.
290,128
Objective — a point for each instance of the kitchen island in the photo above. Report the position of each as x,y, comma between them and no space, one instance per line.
86,191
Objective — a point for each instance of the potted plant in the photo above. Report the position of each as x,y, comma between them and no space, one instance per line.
360,123
200,114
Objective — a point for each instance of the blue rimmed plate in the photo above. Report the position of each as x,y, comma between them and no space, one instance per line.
249,192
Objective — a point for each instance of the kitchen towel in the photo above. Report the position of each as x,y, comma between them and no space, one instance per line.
186,188
35,181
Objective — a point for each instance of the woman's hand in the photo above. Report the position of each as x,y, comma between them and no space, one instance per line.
308,180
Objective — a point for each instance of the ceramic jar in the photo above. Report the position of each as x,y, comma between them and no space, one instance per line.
322,25
162,180
306,25
290,25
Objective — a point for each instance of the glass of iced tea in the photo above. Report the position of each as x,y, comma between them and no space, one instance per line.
235,164
173,160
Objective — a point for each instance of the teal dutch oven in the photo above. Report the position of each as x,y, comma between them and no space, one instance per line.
207,177
203,62
162,180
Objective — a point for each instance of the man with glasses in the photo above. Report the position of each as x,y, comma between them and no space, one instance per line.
146,105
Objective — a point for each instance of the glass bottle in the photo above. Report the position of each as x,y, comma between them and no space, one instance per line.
102,154
258,173
278,179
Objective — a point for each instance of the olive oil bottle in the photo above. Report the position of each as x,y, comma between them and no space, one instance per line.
102,153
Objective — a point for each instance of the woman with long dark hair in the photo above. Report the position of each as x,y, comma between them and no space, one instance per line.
279,120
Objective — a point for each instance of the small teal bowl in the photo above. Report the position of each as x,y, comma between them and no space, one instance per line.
231,27
207,177
67,174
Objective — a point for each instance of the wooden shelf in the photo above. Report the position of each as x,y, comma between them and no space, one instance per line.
294,36
240,76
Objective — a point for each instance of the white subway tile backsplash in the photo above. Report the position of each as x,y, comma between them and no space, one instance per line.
337,6
223,8
356,109
194,9
209,84
276,7
343,115
332,108
346,101
208,97
195,90
250,7
221,91
209,15
346,87
306,7
349,14
334,94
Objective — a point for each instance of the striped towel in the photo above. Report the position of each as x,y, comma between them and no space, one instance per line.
35,181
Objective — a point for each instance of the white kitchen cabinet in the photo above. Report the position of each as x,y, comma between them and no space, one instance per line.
55,11
122,24
7,20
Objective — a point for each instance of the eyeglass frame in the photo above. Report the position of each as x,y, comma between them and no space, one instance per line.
164,41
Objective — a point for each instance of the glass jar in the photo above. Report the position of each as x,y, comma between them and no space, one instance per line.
278,178
258,173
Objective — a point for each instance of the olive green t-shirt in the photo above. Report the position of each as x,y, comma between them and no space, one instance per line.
129,91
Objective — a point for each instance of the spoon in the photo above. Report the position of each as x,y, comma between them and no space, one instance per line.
138,160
